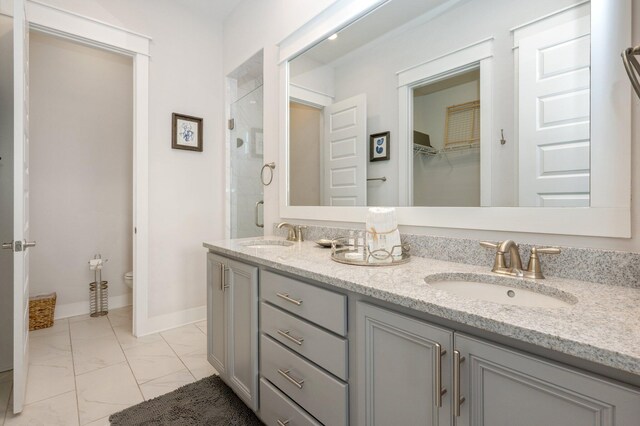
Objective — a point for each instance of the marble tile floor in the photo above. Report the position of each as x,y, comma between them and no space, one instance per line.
83,369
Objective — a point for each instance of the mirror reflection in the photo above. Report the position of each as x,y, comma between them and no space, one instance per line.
445,103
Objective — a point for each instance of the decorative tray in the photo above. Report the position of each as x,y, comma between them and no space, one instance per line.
342,253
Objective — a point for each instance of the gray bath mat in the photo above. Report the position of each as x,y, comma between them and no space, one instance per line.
205,402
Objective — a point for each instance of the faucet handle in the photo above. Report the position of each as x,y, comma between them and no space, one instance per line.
534,270
545,250
489,244
299,234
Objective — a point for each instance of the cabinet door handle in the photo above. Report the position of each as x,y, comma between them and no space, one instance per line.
222,277
439,353
282,423
457,400
286,297
285,374
286,334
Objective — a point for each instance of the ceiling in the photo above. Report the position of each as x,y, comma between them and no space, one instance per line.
382,20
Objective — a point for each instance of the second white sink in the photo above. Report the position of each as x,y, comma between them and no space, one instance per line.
504,292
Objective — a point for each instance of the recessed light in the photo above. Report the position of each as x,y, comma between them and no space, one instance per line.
333,37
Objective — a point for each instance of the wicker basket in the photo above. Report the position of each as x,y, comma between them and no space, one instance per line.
41,310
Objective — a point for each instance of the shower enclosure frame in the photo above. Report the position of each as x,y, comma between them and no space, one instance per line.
229,124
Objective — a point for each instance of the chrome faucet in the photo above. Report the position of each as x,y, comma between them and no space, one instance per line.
514,268
294,231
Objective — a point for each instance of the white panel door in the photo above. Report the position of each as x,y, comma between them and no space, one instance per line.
344,153
20,205
554,116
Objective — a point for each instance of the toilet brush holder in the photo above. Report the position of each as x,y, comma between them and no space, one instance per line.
98,290
99,298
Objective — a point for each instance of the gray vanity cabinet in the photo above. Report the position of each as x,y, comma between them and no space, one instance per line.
503,387
402,364
232,324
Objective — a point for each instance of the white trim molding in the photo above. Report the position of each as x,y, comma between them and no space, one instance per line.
308,96
61,23
68,310
164,322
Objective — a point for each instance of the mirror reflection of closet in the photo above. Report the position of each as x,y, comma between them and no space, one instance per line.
446,142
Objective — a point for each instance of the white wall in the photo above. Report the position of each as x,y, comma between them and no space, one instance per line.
186,189
451,179
258,20
6,193
81,162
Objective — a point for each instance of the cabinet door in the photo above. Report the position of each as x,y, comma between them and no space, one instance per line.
242,330
399,361
216,315
503,387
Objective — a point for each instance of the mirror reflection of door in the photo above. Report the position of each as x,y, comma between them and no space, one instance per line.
554,121
328,153
446,138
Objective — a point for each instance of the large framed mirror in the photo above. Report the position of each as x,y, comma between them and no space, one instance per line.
479,114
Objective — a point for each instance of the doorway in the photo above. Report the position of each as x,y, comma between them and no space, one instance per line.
35,17
81,171
245,149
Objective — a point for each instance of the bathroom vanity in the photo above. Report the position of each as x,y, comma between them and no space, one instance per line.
307,341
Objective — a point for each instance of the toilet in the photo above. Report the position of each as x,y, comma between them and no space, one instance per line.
128,279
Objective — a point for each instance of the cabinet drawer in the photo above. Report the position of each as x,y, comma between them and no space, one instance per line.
318,392
323,348
275,406
323,307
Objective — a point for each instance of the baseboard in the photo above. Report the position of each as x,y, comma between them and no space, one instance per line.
174,319
82,308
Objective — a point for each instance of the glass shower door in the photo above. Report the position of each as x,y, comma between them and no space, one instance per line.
246,146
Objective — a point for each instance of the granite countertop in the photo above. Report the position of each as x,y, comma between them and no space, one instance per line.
601,325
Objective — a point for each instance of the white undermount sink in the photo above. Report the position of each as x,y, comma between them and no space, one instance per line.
267,244
503,290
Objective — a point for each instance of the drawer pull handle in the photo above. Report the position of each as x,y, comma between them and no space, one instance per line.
457,399
281,423
285,374
286,297
297,341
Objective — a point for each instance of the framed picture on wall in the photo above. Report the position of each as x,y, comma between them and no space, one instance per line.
379,146
186,132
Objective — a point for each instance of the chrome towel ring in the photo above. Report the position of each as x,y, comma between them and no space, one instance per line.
270,166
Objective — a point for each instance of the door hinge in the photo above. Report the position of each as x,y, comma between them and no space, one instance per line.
231,124
135,229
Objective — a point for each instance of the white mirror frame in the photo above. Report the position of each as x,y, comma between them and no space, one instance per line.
610,212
